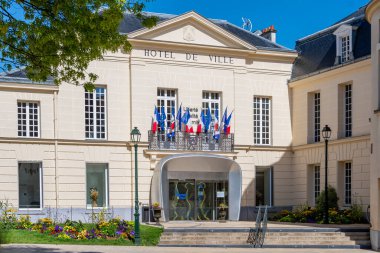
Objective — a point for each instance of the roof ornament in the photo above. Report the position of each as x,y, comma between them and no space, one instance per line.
247,24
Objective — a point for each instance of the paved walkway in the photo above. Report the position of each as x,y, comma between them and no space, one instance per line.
30,248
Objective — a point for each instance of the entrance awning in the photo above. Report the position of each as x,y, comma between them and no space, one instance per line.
187,166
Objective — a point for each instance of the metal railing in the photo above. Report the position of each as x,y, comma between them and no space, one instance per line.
256,235
190,142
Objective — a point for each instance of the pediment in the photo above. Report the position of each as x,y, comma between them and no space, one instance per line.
343,30
191,28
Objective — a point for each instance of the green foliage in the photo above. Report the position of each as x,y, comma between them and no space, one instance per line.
307,214
332,199
60,38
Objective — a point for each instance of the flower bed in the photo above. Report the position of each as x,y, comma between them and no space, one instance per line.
71,230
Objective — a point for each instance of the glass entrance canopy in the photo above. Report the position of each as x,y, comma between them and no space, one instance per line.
196,187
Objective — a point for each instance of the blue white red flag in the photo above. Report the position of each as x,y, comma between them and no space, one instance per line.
162,118
155,120
179,117
227,127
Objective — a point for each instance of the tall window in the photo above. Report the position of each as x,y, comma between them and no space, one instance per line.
28,119
97,185
317,117
348,110
317,181
30,185
262,120
211,100
95,114
345,45
347,183
167,101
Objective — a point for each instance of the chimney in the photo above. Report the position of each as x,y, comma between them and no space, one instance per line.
269,33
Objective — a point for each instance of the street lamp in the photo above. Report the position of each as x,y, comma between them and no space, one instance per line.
326,134
135,138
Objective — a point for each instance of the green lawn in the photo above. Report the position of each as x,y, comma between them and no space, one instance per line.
150,236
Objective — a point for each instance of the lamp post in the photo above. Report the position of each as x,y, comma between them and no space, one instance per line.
135,138
326,134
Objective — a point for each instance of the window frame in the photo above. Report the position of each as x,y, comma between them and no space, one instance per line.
316,117
258,136
347,114
345,184
40,170
210,101
165,99
27,119
344,35
106,180
316,186
94,112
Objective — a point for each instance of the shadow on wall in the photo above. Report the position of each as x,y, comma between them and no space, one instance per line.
265,188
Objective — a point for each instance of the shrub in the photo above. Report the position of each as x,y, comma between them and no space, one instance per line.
332,200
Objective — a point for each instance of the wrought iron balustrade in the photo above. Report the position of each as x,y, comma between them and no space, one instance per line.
190,142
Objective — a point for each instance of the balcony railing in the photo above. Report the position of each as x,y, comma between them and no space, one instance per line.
191,142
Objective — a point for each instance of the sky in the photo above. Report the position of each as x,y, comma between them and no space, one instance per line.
293,19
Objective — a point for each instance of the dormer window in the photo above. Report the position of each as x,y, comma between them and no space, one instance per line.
345,48
344,44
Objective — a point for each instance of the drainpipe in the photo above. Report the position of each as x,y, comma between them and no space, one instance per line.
55,148
130,127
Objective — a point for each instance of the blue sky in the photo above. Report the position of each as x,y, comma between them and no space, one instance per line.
293,19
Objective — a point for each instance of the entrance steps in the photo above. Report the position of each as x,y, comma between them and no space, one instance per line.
298,237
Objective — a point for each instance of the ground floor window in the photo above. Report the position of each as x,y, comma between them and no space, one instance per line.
264,186
347,183
317,182
97,185
30,185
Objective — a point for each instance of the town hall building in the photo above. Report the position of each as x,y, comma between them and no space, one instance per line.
59,144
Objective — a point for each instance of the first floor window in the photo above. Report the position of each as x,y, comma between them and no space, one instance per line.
28,119
211,100
167,105
348,110
97,185
262,120
30,185
317,182
95,114
317,117
347,183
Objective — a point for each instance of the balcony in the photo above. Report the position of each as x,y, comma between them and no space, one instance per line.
191,142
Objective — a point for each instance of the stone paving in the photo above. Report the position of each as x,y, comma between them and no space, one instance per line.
31,248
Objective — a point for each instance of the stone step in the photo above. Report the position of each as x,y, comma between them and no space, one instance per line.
238,238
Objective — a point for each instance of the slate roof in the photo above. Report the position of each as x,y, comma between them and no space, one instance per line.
130,24
317,52
19,76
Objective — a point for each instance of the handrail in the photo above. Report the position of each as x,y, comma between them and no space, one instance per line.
256,236
190,141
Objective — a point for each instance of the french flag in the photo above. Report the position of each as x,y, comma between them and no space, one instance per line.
216,125
172,125
155,120
227,127
185,119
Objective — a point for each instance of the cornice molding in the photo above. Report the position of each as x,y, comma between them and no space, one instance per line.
38,88
332,142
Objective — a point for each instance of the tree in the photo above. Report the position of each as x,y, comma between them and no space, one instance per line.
59,38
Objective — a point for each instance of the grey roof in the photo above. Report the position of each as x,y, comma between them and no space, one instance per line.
19,76
130,24
317,52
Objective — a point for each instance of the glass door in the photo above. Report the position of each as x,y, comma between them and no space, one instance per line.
205,200
181,200
221,200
